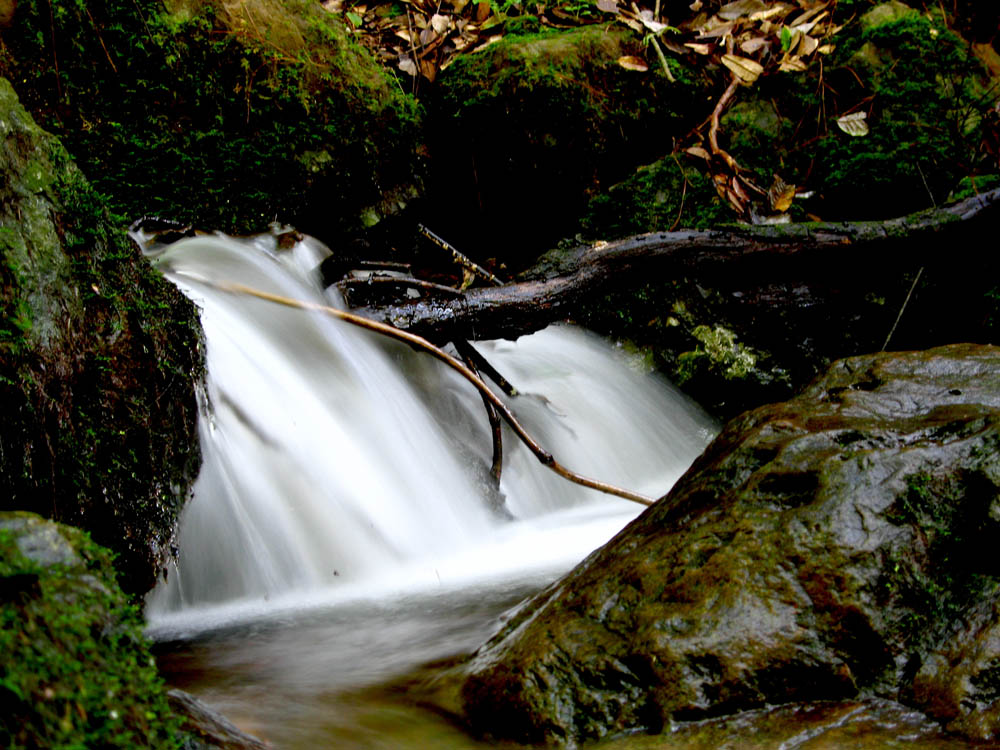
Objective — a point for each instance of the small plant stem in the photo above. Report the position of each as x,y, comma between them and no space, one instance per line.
902,309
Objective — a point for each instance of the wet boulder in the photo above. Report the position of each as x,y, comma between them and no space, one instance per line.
99,356
76,668
832,546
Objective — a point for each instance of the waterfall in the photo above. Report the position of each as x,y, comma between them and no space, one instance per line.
337,462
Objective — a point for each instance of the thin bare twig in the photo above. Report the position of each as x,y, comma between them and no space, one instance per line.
418,342
684,188
713,130
902,309
496,467
97,31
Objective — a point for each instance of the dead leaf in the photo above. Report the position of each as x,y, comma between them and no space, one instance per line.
805,28
482,11
701,49
675,47
608,6
854,124
428,70
826,49
780,195
763,15
735,201
631,62
744,68
717,29
808,45
738,189
695,6
753,45
732,11
815,14
647,20
407,65
699,152
439,23
792,65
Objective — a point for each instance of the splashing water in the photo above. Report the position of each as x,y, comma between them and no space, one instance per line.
338,464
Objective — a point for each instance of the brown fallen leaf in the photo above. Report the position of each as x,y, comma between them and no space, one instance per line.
701,49
754,45
732,11
774,10
780,195
407,65
792,65
699,152
631,62
439,23
745,69
808,45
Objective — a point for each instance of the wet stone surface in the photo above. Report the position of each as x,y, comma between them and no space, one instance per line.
832,546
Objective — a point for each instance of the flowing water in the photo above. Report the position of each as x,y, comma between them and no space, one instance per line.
344,529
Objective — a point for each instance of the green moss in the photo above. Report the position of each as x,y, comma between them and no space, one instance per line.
657,197
99,359
950,518
926,98
210,113
719,347
970,186
534,125
76,669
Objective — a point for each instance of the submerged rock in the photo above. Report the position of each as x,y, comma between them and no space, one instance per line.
835,545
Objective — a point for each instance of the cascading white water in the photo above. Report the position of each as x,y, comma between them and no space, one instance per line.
335,461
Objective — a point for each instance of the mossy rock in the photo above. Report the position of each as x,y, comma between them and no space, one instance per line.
927,98
224,115
661,196
833,546
527,129
76,670
98,360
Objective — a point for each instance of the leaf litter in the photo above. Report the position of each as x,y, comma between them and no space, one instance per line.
750,39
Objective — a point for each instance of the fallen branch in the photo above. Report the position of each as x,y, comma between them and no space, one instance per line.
807,250
496,466
543,456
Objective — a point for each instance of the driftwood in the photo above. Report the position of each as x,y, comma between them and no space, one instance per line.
814,249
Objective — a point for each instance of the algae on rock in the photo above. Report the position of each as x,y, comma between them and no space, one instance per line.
98,360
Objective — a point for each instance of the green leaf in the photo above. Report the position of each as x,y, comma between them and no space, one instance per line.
786,38
355,19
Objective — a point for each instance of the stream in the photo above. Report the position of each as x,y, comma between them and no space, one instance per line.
345,532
